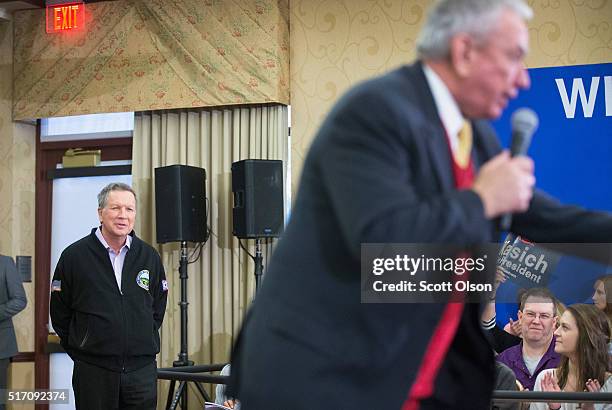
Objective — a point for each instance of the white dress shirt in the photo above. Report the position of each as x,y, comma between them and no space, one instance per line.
447,107
116,259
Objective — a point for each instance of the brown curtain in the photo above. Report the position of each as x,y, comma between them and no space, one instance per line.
221,283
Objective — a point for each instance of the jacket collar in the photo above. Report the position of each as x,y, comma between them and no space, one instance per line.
99,245
439,152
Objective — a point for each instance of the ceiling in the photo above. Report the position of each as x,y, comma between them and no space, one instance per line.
7,7
13,5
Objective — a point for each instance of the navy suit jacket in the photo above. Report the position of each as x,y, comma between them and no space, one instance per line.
379,171
12,301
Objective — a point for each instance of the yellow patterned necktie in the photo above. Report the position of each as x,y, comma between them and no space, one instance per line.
464,147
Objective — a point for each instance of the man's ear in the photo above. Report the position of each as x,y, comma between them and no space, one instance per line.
100,215
461,54
520,314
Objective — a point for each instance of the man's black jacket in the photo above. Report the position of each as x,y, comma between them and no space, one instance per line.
96,322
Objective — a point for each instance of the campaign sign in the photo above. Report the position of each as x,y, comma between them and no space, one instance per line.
525,263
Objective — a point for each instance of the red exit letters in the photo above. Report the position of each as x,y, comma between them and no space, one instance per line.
65,17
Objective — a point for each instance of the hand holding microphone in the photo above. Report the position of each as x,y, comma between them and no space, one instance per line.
505,183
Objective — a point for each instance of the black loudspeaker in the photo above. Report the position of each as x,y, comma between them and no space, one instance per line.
180,204
257,185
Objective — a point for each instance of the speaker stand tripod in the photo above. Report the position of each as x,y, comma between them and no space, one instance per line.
258,260
183,360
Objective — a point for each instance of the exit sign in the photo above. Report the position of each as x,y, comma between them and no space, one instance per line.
65,17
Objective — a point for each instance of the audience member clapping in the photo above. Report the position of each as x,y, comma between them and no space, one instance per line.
535,353
582,340
602,298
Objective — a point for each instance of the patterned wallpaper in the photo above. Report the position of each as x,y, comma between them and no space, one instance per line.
17,164
336,43
570,32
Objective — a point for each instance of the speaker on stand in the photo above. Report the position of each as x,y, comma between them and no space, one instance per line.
180,205
257,187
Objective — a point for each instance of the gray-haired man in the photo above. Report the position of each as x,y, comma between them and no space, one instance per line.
108,299
404,158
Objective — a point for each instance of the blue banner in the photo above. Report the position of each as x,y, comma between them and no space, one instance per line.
572,150
572,147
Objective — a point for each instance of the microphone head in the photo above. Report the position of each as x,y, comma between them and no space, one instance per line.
524,124
524,120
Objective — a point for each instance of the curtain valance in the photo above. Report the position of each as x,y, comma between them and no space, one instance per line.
136,55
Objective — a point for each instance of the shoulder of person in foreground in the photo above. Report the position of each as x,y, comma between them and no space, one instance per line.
504,377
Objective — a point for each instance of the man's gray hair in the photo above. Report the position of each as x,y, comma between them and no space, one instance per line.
446,18
113,186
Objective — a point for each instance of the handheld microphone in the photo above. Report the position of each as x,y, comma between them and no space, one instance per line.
524,123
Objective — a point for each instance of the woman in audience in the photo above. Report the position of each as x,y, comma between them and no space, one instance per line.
602,299
602,296
582,340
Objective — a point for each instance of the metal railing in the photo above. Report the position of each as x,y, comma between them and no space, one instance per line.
551,397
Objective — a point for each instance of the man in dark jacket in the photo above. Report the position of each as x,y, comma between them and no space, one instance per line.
108,299
404,158
12,301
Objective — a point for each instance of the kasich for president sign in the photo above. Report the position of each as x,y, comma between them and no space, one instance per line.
525,263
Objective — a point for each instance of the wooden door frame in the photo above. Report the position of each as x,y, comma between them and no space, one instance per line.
48,154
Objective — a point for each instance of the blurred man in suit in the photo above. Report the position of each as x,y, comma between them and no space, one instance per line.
12,301
407,157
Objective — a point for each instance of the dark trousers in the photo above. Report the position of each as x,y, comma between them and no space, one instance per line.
4,363
96,388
